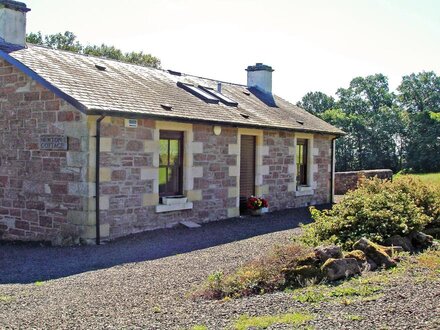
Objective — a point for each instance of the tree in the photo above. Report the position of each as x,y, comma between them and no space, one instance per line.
423,147
366,95
316,102
67,41
420,92
419,95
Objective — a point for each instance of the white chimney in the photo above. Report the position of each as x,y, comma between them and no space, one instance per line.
260,76
12,25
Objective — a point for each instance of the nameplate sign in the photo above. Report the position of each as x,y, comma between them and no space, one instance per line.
53,142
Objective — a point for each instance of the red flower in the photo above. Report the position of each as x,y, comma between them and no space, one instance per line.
256,203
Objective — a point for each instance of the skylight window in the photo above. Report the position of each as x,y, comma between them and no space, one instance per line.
208,98
223,99
100,67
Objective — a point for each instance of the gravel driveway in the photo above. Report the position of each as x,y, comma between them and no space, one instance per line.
143,282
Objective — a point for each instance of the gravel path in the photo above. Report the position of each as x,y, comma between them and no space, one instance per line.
143,282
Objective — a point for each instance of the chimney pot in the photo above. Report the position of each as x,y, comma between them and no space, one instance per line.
260,76
12,25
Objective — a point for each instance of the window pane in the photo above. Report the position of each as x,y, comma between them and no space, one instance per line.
301,161
174,152
162,175
163,158
170,169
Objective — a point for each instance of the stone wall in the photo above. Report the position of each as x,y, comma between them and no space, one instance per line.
129,173
38,187
280,181
345,181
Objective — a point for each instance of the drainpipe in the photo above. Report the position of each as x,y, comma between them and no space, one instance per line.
332,170
97,167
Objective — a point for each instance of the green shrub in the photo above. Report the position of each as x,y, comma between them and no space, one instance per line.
376,210
425,196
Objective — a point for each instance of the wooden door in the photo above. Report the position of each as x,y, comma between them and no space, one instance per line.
247,167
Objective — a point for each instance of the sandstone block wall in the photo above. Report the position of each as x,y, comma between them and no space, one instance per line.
38,187
345,181
129,174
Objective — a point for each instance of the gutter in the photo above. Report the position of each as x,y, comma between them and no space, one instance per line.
97,172
139,115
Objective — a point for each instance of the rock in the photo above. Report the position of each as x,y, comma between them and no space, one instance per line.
371,265
335,269
434,232
325,252
309,260
375,252
392,250
403,242
302,275
420,240
57,240
360,257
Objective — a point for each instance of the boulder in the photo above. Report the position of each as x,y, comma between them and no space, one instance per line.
433,231
392,250
360,257
309,260
300,275
326,252
371,265
375,252
420,240
336,269
403,242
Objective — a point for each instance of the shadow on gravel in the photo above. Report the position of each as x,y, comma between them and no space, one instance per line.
27,264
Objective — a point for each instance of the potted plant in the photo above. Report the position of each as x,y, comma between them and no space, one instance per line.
256,204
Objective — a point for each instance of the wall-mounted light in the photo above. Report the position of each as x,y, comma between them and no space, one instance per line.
217,130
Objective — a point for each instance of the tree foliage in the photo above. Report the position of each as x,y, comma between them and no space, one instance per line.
316,102
384,129
67,41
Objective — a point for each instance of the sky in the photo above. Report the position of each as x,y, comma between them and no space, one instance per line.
313,45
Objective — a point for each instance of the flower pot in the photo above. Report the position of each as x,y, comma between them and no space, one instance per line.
256,213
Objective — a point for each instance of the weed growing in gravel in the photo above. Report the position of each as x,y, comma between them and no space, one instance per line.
246,322
39,283
310,296
344,293
361,291
6,299
199,327
354,317
430,260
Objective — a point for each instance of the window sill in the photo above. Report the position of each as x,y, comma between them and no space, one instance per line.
304,191
173,207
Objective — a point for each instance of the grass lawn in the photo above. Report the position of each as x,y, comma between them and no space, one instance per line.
433,178
429,177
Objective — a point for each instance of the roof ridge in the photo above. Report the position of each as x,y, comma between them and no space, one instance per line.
137,65
92,56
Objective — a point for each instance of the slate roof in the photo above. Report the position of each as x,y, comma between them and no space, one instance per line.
131,91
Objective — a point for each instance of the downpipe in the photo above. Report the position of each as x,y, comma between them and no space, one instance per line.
97,172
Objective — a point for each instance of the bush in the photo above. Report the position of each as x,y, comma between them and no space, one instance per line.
376,210
425,196
256,277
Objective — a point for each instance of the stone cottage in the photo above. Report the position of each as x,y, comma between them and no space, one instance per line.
96,149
